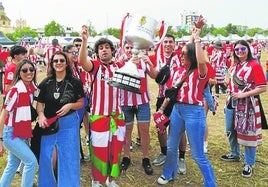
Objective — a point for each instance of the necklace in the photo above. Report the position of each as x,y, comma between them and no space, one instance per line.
57,89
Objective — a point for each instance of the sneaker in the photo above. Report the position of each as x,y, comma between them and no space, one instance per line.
147,166
138,141
111,184
87,139
205,147
96,184
131,147
181,166
159,160
20,168
230,158
247,171
125,164
162,180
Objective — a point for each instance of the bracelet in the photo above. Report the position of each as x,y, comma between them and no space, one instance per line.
40,111
1,139
162,108
197,40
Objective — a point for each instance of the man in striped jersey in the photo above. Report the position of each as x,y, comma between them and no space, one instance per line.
50,51
107,124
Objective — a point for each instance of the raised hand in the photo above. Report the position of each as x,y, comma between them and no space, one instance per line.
200,22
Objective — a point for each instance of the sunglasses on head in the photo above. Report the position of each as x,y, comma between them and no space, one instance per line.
75,53
240,49
59,60
30,69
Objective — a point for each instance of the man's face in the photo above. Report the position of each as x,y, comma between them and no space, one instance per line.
168,45
78,45
105,52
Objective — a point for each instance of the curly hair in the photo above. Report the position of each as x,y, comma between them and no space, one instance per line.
103,41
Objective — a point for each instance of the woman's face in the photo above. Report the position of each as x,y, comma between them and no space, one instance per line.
73,54
241,52
27,73
184,59
59,63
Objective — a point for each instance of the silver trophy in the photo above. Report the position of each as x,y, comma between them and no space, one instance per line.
140,31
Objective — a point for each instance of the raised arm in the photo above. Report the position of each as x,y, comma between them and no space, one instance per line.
83,56
200,56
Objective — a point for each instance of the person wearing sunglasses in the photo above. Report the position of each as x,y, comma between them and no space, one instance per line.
16,125
166,54
60,94
186,88
137,107
72,52
54,47
244,116
107,125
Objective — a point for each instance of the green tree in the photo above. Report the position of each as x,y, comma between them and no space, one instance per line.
54,29
114,31
19,33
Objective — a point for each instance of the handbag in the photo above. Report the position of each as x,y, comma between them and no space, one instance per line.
164,73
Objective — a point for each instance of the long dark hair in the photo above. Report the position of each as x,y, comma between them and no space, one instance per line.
191,55
245,43
17,76
69,72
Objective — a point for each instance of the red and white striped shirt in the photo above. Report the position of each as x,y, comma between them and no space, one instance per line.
105,98
160,61
193,86
248,72
130,98
48,54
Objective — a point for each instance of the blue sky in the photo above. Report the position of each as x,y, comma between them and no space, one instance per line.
109,13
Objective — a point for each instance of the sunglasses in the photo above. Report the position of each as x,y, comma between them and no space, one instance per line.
240,49
78,45
30,69
129,47
59,60
75,53
183,53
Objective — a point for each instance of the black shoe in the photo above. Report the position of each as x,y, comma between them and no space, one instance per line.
230,158
138,141
147,166
125,164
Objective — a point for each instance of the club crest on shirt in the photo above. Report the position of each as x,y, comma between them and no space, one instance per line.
7,100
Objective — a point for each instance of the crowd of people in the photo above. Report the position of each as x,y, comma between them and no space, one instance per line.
77,91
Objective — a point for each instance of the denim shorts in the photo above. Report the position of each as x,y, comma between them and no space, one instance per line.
142,113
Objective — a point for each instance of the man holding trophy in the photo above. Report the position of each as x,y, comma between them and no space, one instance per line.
137,104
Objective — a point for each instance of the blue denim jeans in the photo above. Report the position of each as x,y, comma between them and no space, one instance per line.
191,118
67,143
18,151
231,132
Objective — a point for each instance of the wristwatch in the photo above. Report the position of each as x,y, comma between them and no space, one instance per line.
1,139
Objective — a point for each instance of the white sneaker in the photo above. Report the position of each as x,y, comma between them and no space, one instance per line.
159,160
181,166
205,147
162,180
96,184
111,184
